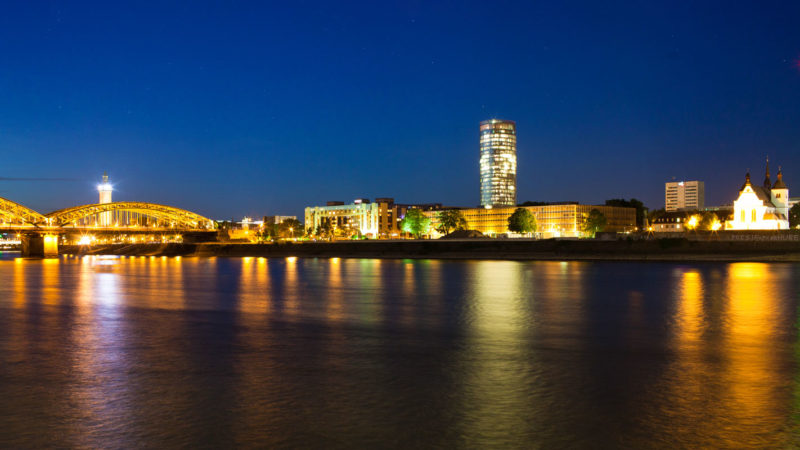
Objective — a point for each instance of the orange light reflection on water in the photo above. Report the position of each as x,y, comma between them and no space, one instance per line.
750,328
726,378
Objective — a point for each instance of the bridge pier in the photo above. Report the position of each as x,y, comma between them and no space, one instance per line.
37,245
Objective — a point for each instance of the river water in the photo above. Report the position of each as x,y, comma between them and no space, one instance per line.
341,353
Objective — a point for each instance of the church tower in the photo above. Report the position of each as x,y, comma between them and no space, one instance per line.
780,195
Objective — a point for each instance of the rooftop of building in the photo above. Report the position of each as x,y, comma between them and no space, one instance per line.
682,215
548,203
760,191
683,182
492,121
378,200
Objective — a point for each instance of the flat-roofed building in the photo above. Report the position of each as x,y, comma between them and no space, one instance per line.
277,220
379,219
684,195
552,220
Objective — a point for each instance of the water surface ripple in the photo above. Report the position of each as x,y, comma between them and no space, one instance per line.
107,352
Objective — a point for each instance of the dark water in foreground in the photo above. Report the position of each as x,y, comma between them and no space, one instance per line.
165,352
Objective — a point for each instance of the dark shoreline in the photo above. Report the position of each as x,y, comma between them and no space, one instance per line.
674,250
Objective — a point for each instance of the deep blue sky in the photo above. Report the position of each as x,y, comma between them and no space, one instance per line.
255,108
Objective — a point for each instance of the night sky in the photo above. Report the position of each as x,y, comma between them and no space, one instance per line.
257,108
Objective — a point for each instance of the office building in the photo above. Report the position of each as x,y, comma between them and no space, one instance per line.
498,163
684,195
552,220
379,219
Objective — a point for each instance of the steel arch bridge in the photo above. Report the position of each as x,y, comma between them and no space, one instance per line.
14,213
176,217
39,234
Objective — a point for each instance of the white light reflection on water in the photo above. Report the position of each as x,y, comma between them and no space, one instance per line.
100,390
133,352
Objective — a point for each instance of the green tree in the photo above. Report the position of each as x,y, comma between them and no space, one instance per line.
794,216
595,222
522,221
451,219
705,220
415,222
641,210
324,229
340,232
268,232
290,228
263,233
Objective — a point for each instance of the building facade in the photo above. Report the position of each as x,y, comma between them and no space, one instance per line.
764,207
498,163
375,220
684,195
276,220
670,222
555,220
677,221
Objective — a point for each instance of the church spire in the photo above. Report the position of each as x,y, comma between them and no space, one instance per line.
746,180
767,181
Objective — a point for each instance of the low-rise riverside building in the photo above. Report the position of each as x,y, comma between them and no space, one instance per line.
677,221
379,219
552,220
669,222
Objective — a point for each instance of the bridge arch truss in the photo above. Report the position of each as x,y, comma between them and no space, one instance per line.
175,217
14,213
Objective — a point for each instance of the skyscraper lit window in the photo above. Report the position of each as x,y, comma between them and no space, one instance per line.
498,163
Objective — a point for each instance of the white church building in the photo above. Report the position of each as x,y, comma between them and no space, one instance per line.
763,207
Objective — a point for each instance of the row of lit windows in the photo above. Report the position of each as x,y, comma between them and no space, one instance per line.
497,148
499,176
499,141
497,162
505,144
496,127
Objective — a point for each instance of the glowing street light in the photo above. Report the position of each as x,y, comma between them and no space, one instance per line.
692,223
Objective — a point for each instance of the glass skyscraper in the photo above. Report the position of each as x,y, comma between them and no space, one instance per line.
498,163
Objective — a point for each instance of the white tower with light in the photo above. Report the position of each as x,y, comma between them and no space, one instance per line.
105,191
